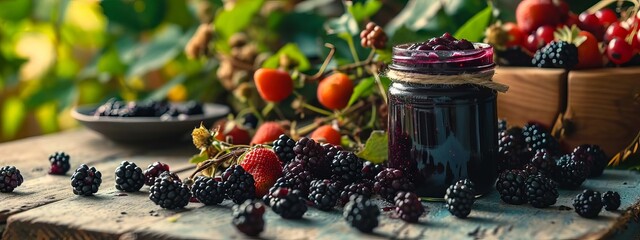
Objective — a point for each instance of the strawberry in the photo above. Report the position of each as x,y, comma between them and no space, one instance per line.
335,91
239,136
273,85
267,133
327,134
265,167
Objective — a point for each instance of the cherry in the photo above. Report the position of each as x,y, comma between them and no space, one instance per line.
532,44
516,35
572,19
615,30
590,23
619,51
606,16
545,34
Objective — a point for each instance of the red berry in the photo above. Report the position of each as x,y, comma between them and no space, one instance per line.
606,16
533,44
615,30
531,14
572,19
265,167
231,129
635,42
327,134
545,34
590,23
516,36
335,91
267,133
619,51
273,85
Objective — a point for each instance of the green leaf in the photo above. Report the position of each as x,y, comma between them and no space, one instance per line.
460,11
414,16
344,24
178,13
376,148
162,92
47,116
137,15
292,51
362,11
15,10
364,88
49,91
473,30
109,62
164,47
13,114
198,158
236,19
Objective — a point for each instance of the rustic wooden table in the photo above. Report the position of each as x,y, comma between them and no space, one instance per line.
44,206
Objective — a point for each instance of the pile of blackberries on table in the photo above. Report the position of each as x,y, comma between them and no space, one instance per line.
532,165
163,109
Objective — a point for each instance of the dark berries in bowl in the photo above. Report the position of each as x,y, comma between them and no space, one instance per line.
59,163
248,217
86,180
459,198
611,200
361,213
10,178
588,204
129,177
408,206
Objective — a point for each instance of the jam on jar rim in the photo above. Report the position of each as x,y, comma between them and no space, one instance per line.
442,62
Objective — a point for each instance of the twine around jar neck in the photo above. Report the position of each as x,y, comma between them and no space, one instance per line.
481,79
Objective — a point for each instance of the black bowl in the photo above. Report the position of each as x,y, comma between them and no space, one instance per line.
146,130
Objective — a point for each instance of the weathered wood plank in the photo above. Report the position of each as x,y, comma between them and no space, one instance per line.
534,94
490,219
104,216
604,107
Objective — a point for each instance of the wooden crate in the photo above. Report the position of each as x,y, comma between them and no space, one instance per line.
534,94
604,107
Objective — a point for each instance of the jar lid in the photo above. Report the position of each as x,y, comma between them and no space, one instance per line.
445,62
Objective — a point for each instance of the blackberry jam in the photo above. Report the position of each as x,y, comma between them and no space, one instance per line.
442,129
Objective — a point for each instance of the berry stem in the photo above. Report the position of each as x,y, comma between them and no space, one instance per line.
220,159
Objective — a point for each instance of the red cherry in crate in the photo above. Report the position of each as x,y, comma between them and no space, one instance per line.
619,51
516,36
532,43
545,34
590,23
572,19
606,16
615,30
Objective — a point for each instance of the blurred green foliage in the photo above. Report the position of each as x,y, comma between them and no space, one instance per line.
56,54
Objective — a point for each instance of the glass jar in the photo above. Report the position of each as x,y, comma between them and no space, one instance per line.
441,133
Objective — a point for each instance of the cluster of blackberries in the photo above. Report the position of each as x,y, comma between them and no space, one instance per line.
531,165
556,54
445,42
589,203
10,178
163,109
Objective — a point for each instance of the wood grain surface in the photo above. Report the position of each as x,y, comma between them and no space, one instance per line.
604,107
534,94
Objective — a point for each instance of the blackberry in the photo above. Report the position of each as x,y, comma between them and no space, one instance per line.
358,188
311,154
408,207
571,173
110,108
153,171
191,108
530,169
544,162
346,167
86,181
459,198
11,179
593,156
296,176
502,125
541,191
389,182
283,147
324,194
512,56
370,170
511,186
209,191
239,184
59,163
247,217
512,150
611,200
588,204
537,137
129,177
557,54
287,203
361,213
169,193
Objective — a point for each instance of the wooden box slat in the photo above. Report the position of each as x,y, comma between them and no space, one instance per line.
534,94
